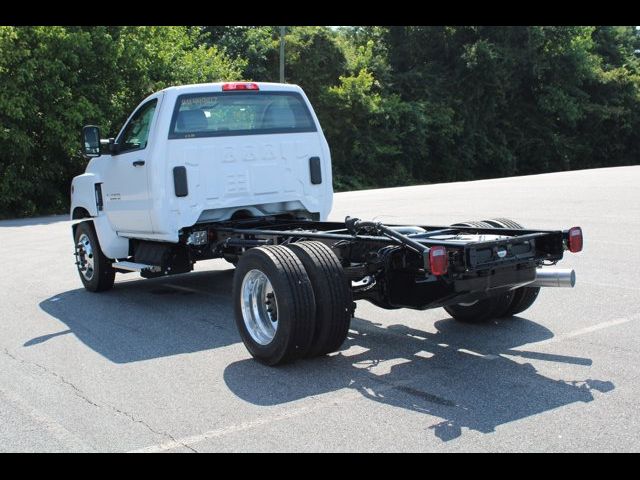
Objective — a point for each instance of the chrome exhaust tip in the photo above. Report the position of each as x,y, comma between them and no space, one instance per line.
556,277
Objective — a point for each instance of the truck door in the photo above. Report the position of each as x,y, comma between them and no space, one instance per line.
126,188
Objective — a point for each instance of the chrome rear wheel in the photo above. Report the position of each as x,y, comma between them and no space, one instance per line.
259,307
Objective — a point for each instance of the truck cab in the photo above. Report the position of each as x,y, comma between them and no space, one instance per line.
201,153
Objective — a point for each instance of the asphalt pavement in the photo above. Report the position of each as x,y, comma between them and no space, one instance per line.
157,365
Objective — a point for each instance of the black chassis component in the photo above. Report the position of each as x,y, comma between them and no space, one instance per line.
391,269
171,258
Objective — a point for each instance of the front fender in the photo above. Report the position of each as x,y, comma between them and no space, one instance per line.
83,193
113,246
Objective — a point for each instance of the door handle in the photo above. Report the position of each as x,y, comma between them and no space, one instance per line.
138,163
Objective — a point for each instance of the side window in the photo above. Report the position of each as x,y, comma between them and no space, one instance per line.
136,133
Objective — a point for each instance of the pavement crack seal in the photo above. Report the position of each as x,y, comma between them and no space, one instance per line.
157,432
79,393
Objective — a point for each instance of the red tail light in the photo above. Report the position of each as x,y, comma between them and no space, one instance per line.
239,86
575,239
438,260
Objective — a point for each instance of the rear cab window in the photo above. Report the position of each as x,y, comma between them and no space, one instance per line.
239,113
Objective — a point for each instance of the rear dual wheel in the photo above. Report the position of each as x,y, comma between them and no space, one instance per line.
332,294
481,311
291,302
523,297
499,306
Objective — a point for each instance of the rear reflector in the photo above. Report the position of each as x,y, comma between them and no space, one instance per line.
438,260
239,86
575,239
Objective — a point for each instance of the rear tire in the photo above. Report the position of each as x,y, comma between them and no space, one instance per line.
274,305
95,270
332,294
486,309
473,223
482,310
523,297
505,223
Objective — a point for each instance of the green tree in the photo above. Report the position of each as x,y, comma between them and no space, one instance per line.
256,46
55,79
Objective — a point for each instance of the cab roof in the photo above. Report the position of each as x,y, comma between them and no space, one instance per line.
218,87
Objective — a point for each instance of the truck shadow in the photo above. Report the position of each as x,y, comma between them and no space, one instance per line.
146,319
462,374
467,376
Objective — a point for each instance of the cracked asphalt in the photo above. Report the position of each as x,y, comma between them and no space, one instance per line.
157,365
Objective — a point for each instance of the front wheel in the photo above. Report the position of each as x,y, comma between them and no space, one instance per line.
95,270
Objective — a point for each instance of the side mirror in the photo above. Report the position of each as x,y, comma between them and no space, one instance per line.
91,141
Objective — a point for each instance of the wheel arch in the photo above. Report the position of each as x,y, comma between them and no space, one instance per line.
84,200
79,213
112,245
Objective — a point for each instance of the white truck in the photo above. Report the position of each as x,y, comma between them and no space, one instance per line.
242,171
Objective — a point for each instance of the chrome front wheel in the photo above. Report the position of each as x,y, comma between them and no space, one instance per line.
95,270
85,257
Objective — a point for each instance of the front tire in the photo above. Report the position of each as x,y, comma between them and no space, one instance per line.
95,270
274,305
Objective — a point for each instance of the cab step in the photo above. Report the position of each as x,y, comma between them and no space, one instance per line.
136,267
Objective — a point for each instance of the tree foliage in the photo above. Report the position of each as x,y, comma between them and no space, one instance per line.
399,104
53,80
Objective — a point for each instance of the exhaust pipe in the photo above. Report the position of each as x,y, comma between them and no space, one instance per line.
556,277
